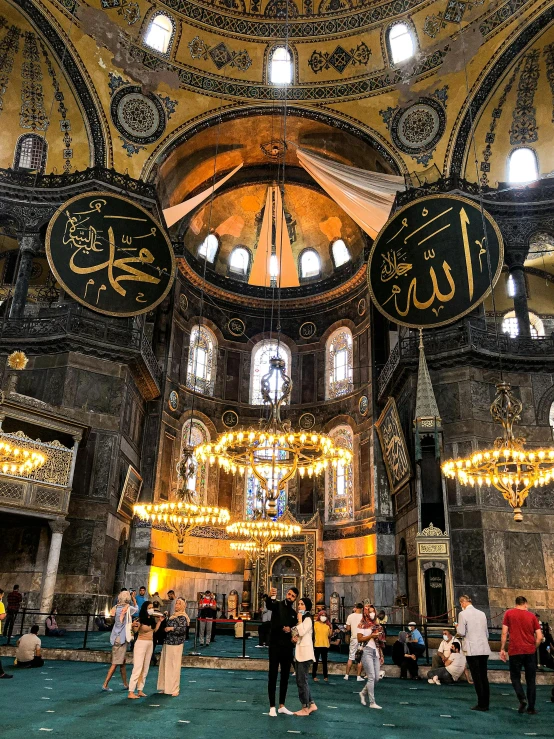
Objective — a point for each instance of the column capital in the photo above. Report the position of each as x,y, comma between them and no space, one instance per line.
29,242
58,525
515,259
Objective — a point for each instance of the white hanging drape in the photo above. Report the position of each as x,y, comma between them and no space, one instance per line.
367,197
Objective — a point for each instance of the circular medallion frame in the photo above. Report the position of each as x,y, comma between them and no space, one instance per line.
306,421
307,330
55,234
146,111
173,400
183,302
363,405
229,419
394,222
236,326
426,115
362,307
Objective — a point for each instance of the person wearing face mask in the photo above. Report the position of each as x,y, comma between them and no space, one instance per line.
443,652
322,642
144,629
304,656
169,673
371,638
416,639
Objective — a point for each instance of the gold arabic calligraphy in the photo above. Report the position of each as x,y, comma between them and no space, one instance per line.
395,265
84,236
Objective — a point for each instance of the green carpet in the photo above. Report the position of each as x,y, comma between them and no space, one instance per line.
65,698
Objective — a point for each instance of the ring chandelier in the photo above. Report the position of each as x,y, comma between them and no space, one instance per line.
507,466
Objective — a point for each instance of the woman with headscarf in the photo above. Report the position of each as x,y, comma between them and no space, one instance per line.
121,636
403,658
304,655
371,638
169,675
144,628
322,641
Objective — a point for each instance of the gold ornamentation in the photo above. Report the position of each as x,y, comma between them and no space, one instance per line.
507,466
17,360
432,531
439,548
393,446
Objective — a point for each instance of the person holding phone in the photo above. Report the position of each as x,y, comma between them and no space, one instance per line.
144,629
283,619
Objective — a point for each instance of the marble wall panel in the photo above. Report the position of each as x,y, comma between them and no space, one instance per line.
102,465
469,560
76,547
448,401
524,561
495,559
548,554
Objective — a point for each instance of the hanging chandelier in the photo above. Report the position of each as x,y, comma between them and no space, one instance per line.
181,517
273,452
253,550
507,466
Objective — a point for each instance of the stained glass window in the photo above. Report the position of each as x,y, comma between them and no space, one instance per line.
261,355
253,501
340,480
31,152
339,363
196,433
202,360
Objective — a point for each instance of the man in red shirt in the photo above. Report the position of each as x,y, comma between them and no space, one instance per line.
14,602
525,636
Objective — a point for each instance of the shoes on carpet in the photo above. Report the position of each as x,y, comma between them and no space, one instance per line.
316,679
479,708
436,680
360,679
259,646
5,676
273,711
346,677
286,711
362,699
431,681
522,707
374,705
532,712
382,675
107,690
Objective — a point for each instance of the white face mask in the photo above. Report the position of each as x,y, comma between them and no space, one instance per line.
150,611
301,610
324,618
445,637
372,616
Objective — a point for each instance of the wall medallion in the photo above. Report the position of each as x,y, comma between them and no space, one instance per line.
419,127
307,330
362,307
230,419
363,405
393,447
110,254
173,400
139,118
183,302
434,261
306,421
236,326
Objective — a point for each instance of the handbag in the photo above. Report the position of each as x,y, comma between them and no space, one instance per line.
358,656
128,628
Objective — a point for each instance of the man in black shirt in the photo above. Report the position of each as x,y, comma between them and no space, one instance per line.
283,618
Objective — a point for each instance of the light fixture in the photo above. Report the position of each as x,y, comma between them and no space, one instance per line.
507,466
262,532
181,517
273,452
252,550
20,460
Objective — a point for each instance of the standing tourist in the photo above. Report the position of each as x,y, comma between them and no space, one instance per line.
14,603
145,627
283,618
141,597
352,628
169,675
3,675
207,610
121,636
322,642
452,669
404,658
472,625
370,638
525,634
304,656
171,604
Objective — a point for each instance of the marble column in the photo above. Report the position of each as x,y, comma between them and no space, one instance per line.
521,309
58,526
28,248
247,585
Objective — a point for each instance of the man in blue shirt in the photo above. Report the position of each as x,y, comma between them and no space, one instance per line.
417,641
141,597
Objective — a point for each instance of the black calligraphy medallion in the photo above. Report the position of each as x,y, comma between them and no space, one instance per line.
434,261
110,254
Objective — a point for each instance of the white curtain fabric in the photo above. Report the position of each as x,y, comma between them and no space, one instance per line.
367,197
176,212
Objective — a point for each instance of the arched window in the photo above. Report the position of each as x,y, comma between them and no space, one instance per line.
261,355
340,253
202,360
522,166
30,153
339,361
194,432
273,267
208,248
254,502
510,325
340,480
401,43
159,33
310,263
239,261
280,66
